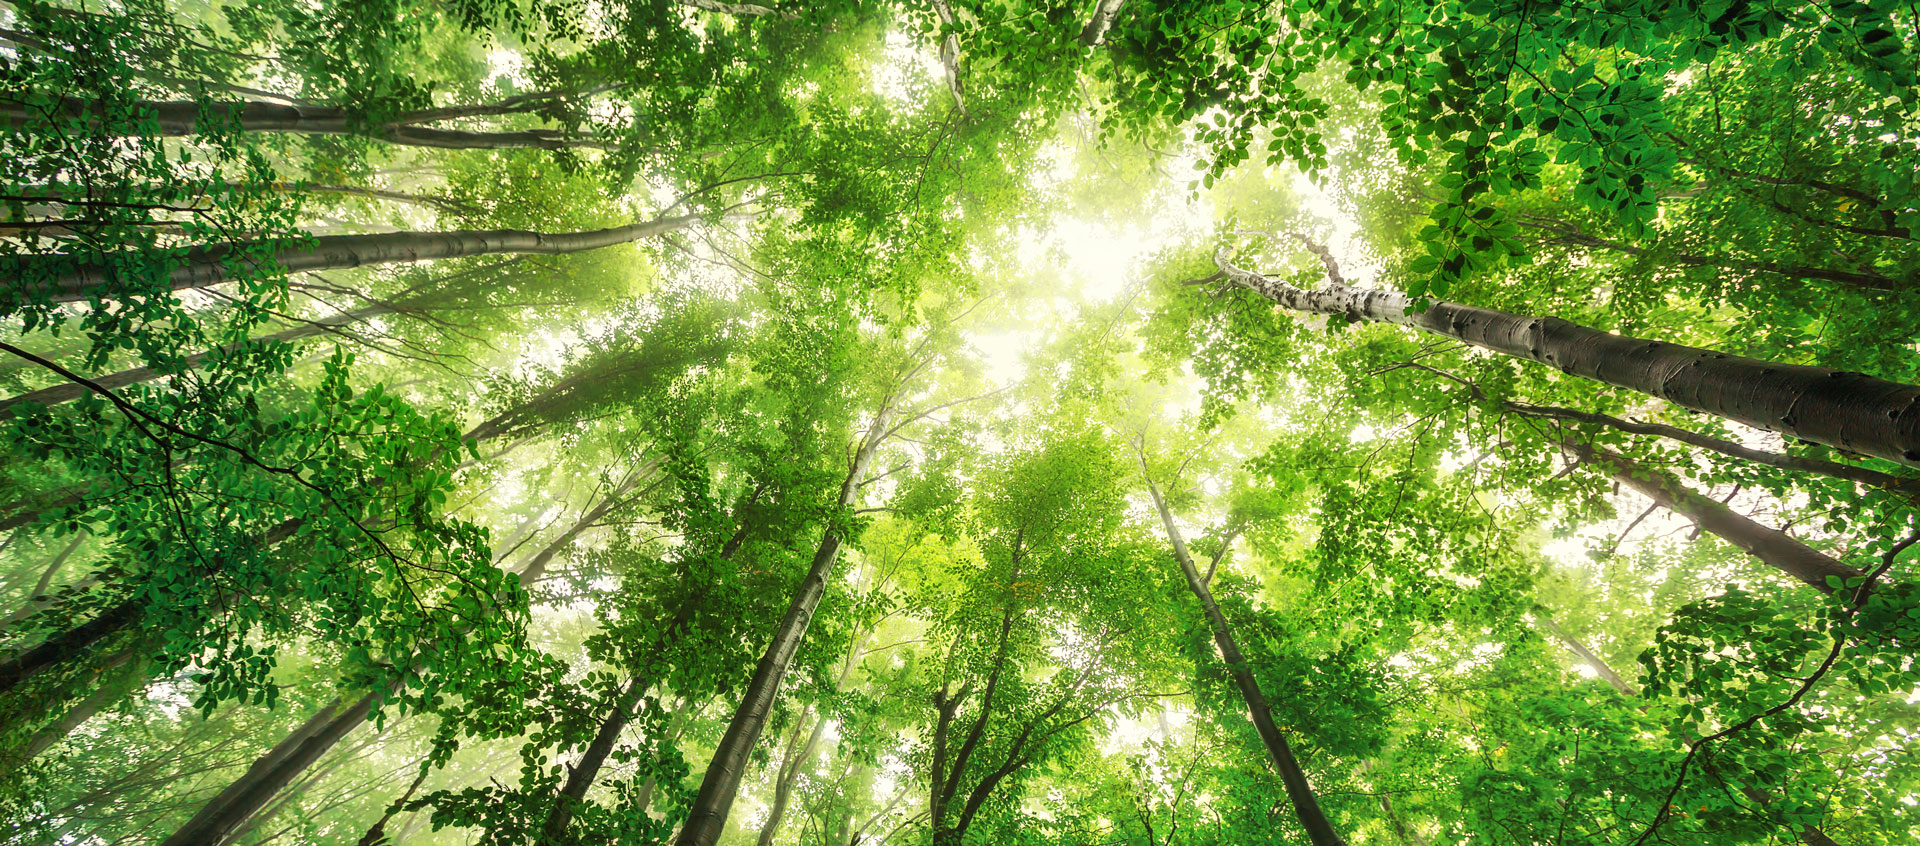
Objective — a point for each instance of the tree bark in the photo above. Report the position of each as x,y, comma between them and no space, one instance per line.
176,118
225,813
222,816
1103,15
1773,547
1306,805
747,10
206,266
1850,411
1874,478
67,645
581,775
708,815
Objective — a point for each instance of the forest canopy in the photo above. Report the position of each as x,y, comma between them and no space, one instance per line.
959,422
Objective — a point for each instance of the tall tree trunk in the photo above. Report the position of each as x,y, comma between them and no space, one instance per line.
581,775
708,815
206,266
1850,411
225,813
68,645
796,759
242,801
1306,805
1887,481
1773,547
177,118
69,391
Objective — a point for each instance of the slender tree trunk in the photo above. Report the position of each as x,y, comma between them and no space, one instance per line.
377,833
244,799
1850,411
581,775
1586,655
1569,234
795,760
1306,805
745,10
1874,478
37,597
70,391
225,813
708,815
206,266
1773,547
176,118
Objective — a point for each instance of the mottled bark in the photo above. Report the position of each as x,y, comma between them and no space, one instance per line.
1850,411
207,265
1773,547
1306,805
223,815
745,10
708,814
1104,12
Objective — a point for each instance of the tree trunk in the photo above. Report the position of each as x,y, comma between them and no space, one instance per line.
1306,805
580,776
1849,411
708,815
225,813
795,760
1886,481
1586,655
1104,13
37,597
120,675
69,391
67,645
176,118
1773,547
206,266
242,800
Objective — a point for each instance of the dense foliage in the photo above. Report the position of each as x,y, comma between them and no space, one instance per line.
1052,422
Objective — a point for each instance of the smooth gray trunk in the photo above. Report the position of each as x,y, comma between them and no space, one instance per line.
1306,805
708,816
1849,411
1773,547
222,816
177,118
206,266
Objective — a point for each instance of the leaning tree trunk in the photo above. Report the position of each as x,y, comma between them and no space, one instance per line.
1773,547
1849,411
224,814
227,812
70,391
708,815
1306,805
176,118
65,281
